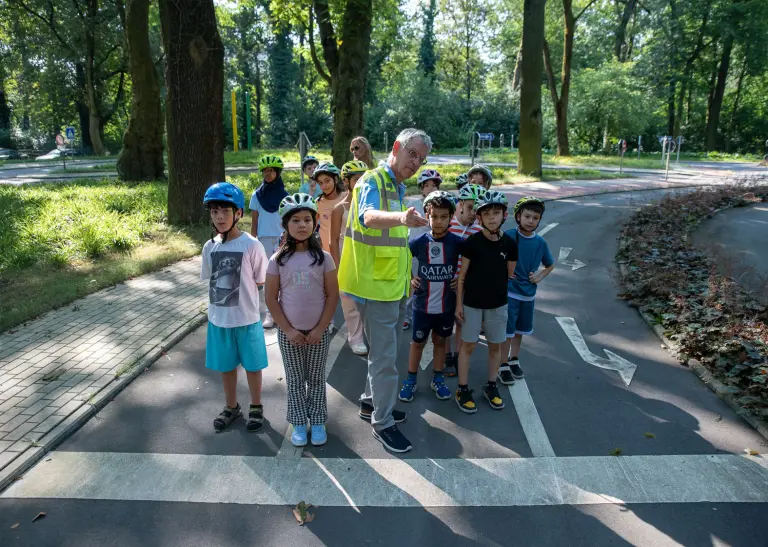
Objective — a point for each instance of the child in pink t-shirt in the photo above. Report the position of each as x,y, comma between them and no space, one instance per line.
301,293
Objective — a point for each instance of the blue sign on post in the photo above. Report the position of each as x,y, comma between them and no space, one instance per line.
70,133
486,136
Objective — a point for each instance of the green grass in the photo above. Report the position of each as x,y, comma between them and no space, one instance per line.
102,168
63,241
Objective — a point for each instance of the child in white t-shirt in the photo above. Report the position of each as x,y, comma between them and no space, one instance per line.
235,264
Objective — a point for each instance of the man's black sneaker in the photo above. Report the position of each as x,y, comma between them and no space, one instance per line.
451,364
505,375
491,393
517,370
366,410
392,439
465,401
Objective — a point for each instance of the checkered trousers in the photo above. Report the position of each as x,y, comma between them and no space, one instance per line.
305,379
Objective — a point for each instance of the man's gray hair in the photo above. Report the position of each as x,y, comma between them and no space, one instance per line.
407,135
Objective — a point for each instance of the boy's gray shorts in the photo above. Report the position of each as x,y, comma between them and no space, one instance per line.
494,322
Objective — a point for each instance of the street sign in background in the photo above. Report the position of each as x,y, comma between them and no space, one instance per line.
70,133
486,136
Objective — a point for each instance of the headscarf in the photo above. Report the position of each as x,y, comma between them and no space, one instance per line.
271,194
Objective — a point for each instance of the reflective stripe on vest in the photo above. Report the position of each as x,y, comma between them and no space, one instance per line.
375,264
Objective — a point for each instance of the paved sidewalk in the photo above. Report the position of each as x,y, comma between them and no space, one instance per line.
56,371
54,366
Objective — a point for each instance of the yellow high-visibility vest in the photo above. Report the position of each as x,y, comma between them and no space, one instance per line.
375,264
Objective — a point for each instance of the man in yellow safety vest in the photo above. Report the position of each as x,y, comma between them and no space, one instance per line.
375,270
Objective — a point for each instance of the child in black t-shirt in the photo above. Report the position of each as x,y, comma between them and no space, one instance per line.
488,259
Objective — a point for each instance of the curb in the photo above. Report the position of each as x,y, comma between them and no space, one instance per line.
724,392
78,418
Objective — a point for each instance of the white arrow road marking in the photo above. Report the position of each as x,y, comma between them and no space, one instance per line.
546,228
563,259
625,369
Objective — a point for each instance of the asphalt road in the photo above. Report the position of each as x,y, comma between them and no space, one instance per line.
149,470
737,238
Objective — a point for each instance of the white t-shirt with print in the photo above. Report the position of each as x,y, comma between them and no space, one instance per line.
233,270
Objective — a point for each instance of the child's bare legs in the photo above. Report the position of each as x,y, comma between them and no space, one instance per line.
414,356
459,341
464,354
514,346
504,353
438,358
229,381
494,353
254,386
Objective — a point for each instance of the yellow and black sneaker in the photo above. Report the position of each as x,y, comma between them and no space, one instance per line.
491,393
465,401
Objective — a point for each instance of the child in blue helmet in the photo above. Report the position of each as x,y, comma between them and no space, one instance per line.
235,264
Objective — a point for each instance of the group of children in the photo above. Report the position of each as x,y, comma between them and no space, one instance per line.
466,273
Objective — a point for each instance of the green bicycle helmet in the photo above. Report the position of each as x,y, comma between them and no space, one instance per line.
489,198
327,168
297,202
441,199
270,161
481,169
471,192
354,167
528,200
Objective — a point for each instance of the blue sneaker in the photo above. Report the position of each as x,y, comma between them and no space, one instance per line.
438,386
299,435
319,435
409,388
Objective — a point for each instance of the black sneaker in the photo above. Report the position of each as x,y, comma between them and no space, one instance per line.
465,401
491,393
517,370
505,375
392,439
451,364
366,410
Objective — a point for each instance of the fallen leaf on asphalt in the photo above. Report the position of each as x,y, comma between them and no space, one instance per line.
650,435
39,516
15,526
751,452
301,513
279,378
615,452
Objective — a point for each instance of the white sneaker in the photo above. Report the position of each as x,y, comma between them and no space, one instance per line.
332,326
268,321
359,349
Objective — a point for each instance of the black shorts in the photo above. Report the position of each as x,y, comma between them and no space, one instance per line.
424,323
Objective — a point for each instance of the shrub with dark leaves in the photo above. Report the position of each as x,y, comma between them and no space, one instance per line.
706,313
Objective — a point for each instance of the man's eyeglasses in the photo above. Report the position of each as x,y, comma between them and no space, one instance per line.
421,160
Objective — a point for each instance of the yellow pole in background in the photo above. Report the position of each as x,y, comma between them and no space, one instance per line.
234,122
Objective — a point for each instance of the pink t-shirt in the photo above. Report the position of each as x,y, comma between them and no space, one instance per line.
302,288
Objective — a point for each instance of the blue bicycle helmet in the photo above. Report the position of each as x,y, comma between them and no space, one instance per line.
225,192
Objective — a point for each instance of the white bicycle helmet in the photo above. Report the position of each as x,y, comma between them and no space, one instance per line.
297,202
429,174
441,199
481,169
489,198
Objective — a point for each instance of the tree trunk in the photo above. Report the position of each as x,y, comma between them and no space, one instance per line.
619,46
94,117
713,121
142,155
671,106
82,109
736,101
194,76
529,160
518,66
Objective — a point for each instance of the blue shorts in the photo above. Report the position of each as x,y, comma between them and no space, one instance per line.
424,323
519,317
227,348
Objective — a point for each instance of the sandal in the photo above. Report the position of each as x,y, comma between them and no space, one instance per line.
255,418
227,416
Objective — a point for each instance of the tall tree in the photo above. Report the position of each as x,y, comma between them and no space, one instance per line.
427,57
560,101
194,79
529,156
283,84
346,57
142,155
620,47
